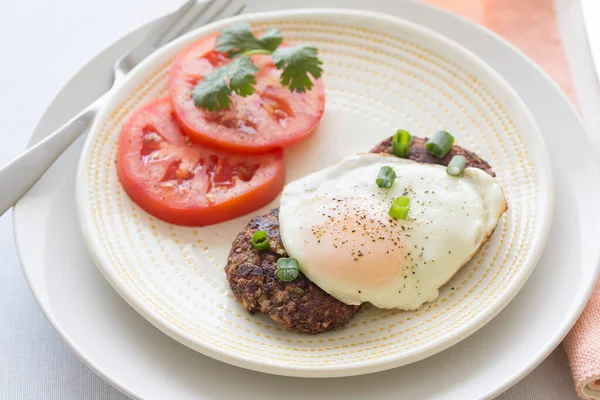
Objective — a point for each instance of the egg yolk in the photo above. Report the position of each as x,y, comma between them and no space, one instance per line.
355,242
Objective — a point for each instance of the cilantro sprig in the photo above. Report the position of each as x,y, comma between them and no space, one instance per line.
238,42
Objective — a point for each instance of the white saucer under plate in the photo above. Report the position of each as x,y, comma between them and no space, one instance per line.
126,350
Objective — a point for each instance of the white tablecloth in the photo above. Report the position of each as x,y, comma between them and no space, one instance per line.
43,43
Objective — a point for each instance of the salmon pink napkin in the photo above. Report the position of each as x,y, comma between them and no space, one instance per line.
532,26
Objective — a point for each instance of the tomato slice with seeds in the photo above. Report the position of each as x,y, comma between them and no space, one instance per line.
185,183
271,118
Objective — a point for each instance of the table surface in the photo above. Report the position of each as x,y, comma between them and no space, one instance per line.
47,42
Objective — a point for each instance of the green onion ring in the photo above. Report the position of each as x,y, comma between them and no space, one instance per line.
457,165
386,177
440,143
401,143
288,269
400,207
260,241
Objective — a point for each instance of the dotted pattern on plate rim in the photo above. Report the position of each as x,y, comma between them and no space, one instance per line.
178,272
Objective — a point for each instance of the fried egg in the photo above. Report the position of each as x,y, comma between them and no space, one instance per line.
335,222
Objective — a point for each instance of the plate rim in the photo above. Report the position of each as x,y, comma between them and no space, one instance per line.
45,123
329,371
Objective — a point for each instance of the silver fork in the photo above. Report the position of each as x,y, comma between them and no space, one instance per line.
18,176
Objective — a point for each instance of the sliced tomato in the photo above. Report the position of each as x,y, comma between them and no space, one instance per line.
186,183
271,118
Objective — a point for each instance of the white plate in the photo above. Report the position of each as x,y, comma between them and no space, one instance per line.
141,361
381,73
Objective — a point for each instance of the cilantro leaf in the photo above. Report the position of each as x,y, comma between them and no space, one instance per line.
271,39
239,38
297,62
241,76
214,90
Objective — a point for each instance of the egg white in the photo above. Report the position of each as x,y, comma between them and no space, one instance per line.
335,223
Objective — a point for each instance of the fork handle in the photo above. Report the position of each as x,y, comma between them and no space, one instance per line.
18,176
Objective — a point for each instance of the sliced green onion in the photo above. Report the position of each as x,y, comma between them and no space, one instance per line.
386,177
401,143
400,207
260,240
440,143
457,165
287,269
